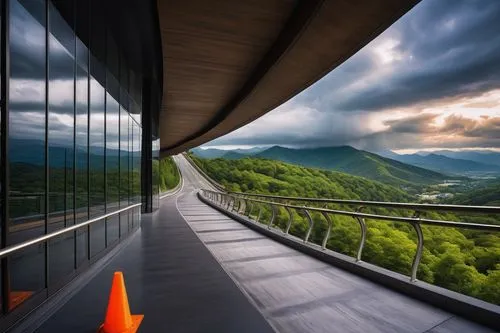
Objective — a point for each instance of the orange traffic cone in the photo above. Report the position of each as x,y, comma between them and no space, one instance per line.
118,317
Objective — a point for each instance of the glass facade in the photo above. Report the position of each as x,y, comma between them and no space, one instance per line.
74,146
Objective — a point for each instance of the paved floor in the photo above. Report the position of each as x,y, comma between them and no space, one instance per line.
212,274
297,293
171,278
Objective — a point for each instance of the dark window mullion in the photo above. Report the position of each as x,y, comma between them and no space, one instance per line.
5,75
47,185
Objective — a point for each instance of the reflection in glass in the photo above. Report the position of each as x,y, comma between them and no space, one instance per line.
112,153
112,159
61,107
156,174
1,187
81,155
131,170
124,167
97,238
27,146
96,143
137,172
97,156
81,133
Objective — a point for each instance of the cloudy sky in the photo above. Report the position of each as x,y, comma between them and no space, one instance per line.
430,81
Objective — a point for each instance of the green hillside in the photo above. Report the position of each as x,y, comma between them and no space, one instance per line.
167,173
487,196
356,162
460,260
265,176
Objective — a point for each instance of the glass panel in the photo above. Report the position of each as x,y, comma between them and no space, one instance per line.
124,167
113,223
136,170
97,237
61,120
81,138
112,153
82,151
97,156
131,169
96,142
156,173
112,159
1,187
81,246
27,145
60,124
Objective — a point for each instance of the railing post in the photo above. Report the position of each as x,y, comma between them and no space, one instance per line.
271,221
327,236
311,224
260,213
420,248
233,207
362,241
243,204
239,205
235,201
250,210
290,220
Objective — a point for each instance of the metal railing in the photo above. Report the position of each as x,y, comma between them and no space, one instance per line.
239,202
17,247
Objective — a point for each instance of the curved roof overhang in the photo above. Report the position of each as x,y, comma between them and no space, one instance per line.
226,62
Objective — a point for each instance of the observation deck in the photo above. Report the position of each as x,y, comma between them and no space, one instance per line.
193,268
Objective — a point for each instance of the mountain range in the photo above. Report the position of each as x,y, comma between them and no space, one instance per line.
489,157
447,165
346,159
32,152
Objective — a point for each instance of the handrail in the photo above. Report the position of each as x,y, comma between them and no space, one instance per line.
14,248
382,204
415,221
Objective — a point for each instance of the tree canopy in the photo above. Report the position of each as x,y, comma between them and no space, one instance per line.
464,261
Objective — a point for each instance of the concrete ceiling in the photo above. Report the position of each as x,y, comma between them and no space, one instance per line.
226,62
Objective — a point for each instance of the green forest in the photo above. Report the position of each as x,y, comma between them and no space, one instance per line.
168,173
461,260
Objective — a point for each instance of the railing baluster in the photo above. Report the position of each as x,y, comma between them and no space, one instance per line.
327,236
236,205
420,247
311,224
290,219
362,226
250,210
273,216
243,207
228,201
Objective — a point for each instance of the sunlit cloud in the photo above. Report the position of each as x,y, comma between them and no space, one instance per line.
430,81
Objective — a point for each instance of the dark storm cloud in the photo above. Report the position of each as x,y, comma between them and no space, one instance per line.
27,45
455,50
440,51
